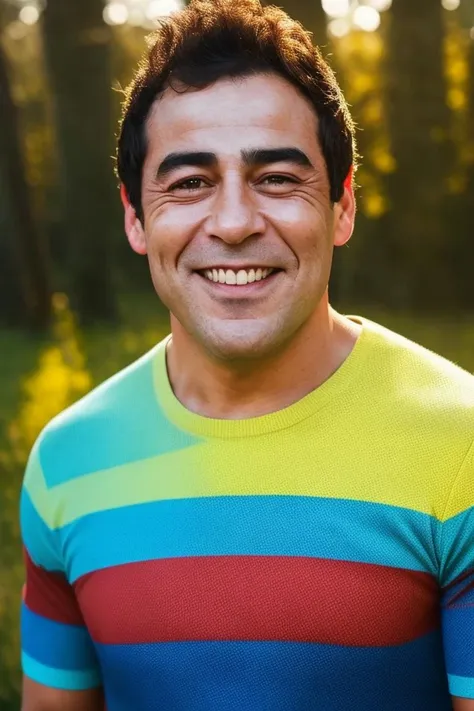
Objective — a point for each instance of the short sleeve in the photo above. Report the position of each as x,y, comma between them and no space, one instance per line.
57,650
457,581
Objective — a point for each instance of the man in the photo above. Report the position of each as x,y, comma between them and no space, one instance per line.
273,509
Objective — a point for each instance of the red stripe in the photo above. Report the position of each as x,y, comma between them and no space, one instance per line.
258,598
50,595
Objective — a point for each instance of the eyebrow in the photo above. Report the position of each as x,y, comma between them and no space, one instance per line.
172,161
252,158
266,156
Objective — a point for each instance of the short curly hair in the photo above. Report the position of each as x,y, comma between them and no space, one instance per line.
213,39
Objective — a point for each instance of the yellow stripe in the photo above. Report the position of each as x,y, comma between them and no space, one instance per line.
287,463
461,495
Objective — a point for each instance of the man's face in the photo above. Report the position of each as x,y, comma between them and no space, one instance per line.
238,225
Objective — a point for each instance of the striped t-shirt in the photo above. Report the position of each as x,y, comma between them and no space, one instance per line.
317,558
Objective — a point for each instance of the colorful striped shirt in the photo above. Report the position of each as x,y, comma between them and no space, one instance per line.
317,558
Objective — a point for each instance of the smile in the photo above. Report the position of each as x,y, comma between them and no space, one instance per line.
237,278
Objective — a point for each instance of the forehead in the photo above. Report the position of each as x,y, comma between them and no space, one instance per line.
233,114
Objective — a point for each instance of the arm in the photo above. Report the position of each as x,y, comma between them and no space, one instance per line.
59,661
462,704
456,548
37,697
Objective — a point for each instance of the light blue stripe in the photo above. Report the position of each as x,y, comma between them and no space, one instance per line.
457,546
461,686
119,422
59,678
40,541
251,525
56,644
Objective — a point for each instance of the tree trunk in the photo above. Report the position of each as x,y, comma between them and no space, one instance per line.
25,296
77,48
419,126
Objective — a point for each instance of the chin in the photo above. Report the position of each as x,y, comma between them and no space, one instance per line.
241,340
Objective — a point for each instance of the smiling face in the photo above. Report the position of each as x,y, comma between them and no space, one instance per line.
238,225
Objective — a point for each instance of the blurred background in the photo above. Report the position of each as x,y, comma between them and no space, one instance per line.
76,304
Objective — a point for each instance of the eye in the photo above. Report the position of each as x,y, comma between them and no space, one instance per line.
189,184
276,180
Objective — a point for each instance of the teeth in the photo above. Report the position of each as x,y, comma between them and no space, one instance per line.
230,277
240,278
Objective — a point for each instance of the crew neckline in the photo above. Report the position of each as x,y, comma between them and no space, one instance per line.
289,416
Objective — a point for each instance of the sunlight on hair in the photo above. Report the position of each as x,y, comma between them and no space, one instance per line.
450,4
339,27
29,15
336,8
116,13
366,18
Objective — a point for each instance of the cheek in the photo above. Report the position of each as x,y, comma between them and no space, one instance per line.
306,231
168,234
300,221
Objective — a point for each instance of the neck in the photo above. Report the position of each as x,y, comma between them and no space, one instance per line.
213,389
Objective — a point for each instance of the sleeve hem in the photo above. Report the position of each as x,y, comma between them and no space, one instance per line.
72,680
462,686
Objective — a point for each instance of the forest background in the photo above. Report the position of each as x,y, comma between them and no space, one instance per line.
76,304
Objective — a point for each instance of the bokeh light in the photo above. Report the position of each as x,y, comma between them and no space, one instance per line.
450,4
161,8
116,13
336,8
380,5
343,15
136,16
347,15
29,14
339,27
366,18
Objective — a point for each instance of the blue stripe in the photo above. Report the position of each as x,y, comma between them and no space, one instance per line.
41,543
458,633
281,676
457,549
251,525
461,686
55,644
119,422
59,678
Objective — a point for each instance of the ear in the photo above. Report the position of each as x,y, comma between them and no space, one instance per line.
133,226
344,216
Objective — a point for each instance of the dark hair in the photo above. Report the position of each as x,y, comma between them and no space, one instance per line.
213,39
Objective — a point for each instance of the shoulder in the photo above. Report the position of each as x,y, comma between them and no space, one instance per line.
90,435
424,403
412,374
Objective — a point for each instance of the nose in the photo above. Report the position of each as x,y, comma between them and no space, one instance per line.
235,215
